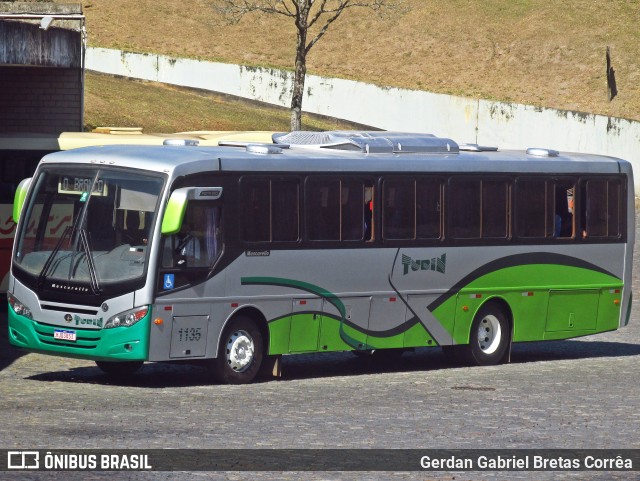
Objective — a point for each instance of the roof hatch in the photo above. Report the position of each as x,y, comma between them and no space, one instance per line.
368,142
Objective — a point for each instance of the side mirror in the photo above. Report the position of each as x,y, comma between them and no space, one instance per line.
177,205
19,198
174,213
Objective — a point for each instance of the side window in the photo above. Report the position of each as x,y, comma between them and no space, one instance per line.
479,209
495,209
270,210
199,242
352,209
602,209
545,208
285,210
412,209
323,209
429,195
564,209
466,208
338,210
256,215
399,209
531,208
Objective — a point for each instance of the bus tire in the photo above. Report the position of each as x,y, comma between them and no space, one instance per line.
489,337
240,352
119,369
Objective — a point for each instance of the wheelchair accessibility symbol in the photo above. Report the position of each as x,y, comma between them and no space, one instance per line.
168,281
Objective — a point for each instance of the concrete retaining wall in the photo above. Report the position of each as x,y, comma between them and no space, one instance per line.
462,119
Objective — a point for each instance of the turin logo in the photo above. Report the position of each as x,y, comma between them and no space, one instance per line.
436,264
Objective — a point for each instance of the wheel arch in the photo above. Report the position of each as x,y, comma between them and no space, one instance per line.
253,313
504,306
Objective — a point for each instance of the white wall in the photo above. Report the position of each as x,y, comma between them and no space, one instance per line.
462,119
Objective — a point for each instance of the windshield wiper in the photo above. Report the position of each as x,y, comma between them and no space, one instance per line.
47,265
93,274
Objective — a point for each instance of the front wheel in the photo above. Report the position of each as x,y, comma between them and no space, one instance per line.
240,352
489,337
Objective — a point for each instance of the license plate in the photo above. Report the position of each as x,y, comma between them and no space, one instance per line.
64,335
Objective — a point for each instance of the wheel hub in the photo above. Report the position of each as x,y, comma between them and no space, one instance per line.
240,351
489,334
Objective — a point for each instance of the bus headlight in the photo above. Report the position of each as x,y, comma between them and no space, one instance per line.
18,307
127,318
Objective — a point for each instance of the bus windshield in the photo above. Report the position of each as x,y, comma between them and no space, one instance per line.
88,226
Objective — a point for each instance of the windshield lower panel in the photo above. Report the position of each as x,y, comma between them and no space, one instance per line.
86,231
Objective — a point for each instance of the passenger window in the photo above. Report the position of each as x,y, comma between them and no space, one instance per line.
352,205
323,209
270,210
531,208
256,213
465,209
285,210
429,209
399,215
479,209
495,214
564,209
368,212
602,209
338,210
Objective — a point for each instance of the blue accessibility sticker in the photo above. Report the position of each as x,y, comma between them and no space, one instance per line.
169,280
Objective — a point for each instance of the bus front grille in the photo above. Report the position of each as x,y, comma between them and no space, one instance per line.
85,338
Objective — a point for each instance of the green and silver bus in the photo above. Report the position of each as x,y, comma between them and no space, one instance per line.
372,242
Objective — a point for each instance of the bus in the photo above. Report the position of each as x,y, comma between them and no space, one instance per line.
370,242
21,152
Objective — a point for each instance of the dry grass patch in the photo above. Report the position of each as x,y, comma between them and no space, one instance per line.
541,52
113,101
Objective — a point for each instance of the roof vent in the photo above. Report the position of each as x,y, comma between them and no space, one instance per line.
368,142
180,142
542,152
477,148
263,149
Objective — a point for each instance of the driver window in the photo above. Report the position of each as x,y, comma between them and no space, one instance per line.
198,244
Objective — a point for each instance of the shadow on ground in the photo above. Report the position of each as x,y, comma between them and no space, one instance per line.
309,366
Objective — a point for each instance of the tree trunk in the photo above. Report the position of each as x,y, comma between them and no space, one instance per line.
298,92
301,68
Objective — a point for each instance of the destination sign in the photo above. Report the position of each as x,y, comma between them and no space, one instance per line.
80,185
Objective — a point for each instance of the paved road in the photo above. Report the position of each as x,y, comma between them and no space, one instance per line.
578,394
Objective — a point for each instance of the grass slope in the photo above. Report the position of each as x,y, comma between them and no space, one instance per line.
547,53
111,101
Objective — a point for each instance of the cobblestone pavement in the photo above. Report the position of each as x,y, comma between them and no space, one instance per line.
580,394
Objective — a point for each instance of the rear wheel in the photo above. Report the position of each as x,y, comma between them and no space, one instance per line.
240,353
119,369
489,337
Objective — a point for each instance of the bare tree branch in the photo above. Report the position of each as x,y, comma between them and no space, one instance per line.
234,10
307,15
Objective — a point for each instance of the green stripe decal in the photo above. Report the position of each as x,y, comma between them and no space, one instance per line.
316,290
549,260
